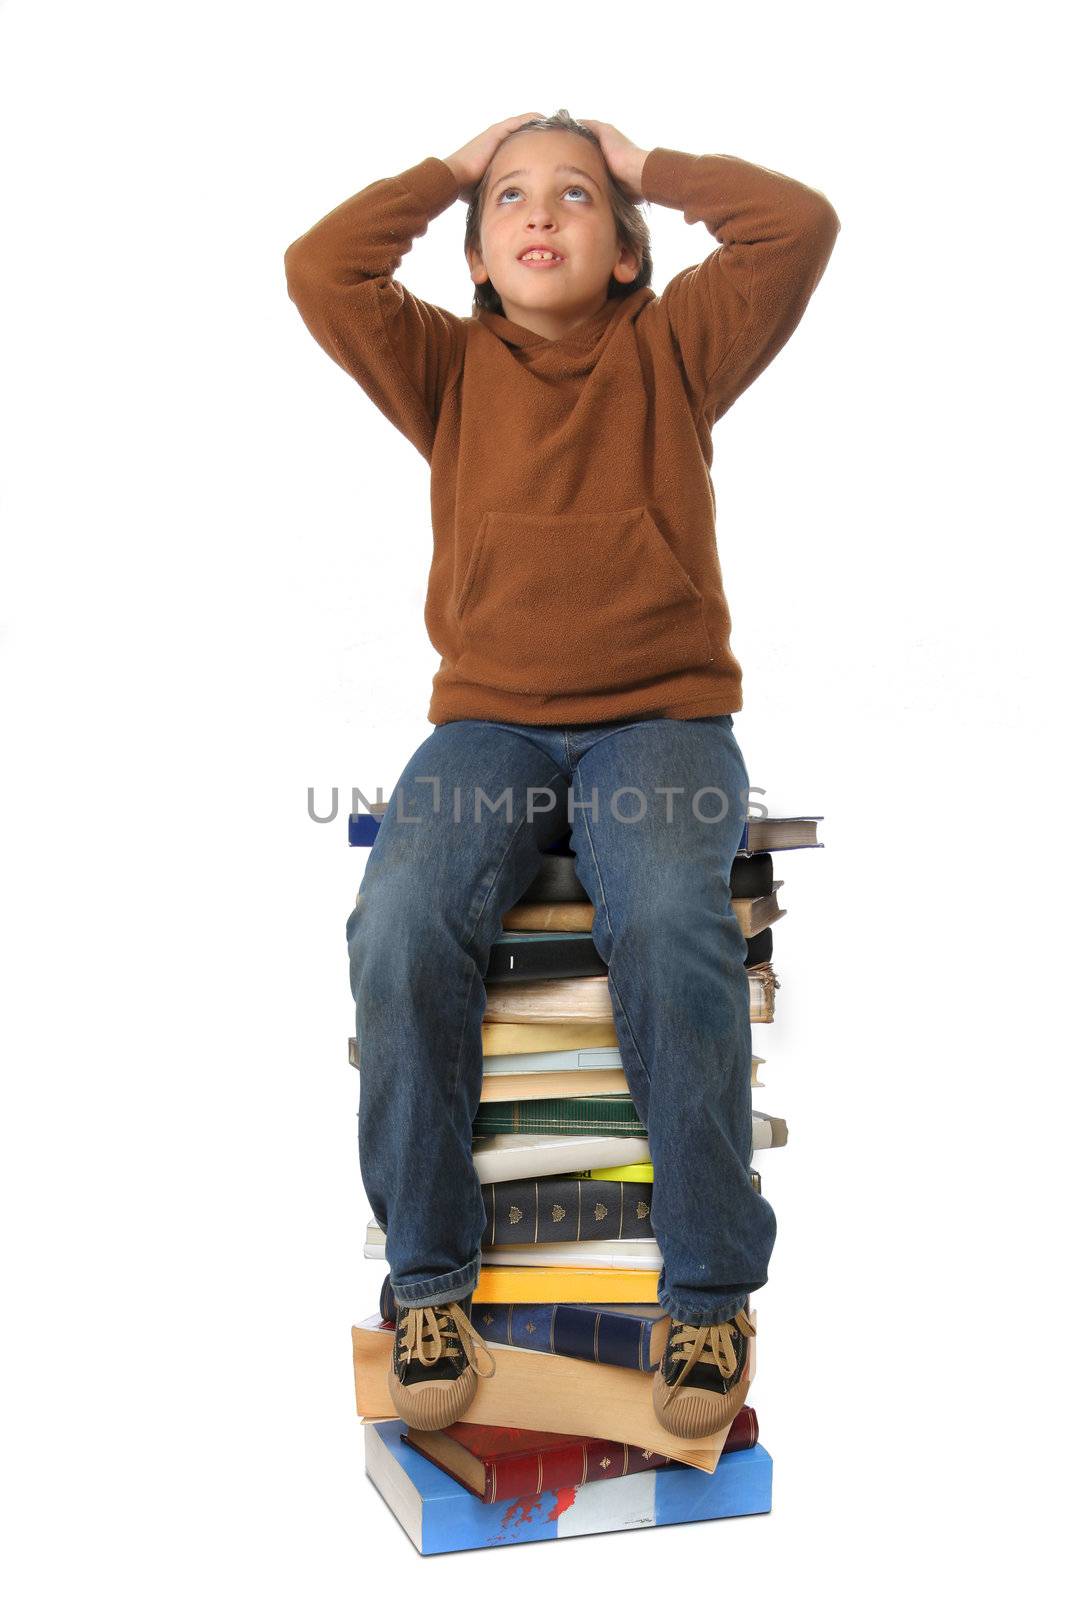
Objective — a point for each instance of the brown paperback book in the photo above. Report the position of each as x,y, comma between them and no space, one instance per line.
510,1463
576,916
554,1394
588,999
516,1038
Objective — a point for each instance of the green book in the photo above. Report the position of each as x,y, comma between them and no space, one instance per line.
592,1113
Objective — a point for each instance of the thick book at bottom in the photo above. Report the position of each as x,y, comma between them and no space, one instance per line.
438,1514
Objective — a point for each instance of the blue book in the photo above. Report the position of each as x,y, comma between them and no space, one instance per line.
610,1334
438,1514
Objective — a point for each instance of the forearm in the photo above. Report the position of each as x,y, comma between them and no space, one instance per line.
402,350
740,202
367,235
730,315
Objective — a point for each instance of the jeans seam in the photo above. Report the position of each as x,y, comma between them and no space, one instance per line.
607,918
467,942
697,1316
456,1284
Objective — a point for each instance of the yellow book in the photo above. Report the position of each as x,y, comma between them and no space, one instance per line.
636,1172
541,1286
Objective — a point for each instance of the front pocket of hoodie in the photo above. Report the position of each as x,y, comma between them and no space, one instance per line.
576,604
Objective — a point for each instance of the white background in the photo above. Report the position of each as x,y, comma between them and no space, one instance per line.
214,564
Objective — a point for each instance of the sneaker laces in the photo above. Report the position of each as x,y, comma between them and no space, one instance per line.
711,1344
433,1331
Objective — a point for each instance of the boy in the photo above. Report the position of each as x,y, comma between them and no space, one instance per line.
576,601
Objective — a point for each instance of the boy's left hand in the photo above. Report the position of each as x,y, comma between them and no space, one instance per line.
623,159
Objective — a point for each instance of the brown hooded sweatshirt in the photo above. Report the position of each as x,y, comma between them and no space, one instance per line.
575,576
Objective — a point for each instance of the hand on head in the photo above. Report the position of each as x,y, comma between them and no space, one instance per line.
470,162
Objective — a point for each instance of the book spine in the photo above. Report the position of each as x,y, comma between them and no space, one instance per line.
638,1171
538,1156
581,1114
603,1337
570,1464
567,1285
509,963
563,1210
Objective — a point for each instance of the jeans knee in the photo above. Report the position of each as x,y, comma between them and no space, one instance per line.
398,939
663,921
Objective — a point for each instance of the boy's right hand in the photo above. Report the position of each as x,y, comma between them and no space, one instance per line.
470,163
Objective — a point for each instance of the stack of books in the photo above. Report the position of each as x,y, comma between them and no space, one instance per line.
563,1439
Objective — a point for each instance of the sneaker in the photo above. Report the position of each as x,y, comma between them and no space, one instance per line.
700,1384
435,1373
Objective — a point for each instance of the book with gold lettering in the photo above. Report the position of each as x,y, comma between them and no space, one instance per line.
504,1463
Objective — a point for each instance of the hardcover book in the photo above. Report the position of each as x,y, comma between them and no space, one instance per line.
555,1210
438,1514
503,1463
529,954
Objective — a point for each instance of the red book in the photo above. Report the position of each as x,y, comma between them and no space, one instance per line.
497,1463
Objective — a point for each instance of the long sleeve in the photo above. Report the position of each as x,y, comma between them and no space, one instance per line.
403,351
730,315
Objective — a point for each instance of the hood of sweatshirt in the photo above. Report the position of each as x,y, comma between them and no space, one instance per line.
578,350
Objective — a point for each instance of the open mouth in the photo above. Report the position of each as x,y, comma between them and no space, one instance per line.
540,257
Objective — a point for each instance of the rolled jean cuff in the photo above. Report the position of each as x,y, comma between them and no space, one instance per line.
438,1291
702,1316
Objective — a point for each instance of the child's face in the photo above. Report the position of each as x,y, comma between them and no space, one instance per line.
529,202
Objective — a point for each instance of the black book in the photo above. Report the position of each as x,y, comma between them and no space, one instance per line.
521,956
557,881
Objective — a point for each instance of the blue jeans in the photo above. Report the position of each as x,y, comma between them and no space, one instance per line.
657,869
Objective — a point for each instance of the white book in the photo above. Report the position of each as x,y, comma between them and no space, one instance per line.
582,1060
629,1254
501,1156
536,1155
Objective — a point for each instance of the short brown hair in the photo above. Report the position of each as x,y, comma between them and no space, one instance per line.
630,224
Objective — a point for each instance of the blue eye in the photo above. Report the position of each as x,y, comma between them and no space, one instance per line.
569,190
